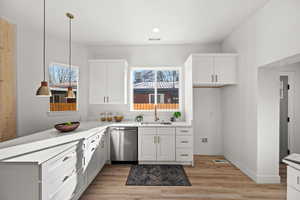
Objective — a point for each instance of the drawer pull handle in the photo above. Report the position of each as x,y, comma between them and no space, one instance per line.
184,142
92,141
298,180
66,158
93,149
185,155
184,131
66,178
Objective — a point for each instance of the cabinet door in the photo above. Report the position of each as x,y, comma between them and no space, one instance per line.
93,164
203,70
98,76
116,82
225,69
147,144
166,144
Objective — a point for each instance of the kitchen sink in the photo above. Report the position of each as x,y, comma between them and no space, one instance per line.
156,123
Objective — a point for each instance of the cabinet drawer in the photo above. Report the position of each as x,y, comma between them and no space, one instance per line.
93,139
67,158
292,194
184,141
69,189
293,178
184,155
184,131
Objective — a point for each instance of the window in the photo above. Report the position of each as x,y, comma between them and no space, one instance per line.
155,86
59,75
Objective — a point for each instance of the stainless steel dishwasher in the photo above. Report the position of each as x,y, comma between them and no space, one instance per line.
123,144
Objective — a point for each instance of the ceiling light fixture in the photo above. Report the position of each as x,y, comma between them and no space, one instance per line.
155,30
43,90
70,93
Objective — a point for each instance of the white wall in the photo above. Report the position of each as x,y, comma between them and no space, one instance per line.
32,111
153,55
269,35
207,121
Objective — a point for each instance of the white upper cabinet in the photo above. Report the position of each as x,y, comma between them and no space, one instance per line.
203,69
108,82
225,69
213,70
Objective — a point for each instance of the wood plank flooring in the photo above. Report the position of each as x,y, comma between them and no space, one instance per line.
210,181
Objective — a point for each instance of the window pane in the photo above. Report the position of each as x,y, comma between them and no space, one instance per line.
168,89
59,76
143,89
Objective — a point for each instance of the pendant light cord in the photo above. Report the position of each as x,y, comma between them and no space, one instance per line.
44,42
70,51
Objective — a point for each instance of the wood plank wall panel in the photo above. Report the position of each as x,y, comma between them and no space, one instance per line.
7,81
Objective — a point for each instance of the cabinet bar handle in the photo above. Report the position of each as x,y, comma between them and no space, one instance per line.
298,180
184,142
66,158
184,131
216,78
92,149
107,99
185,155
212,78
104,99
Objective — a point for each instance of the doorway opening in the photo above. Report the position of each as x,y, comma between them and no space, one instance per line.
284,140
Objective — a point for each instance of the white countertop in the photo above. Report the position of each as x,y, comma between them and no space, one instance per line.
48,138
293,160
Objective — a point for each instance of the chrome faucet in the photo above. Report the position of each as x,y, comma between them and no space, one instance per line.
156,118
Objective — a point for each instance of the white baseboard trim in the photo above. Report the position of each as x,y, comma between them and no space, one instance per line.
259,179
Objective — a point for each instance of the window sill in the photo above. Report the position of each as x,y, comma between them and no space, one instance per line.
62,113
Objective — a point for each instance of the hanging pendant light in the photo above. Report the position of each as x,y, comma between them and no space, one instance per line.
43,90
70,93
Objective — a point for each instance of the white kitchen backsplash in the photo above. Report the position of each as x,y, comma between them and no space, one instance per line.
95,110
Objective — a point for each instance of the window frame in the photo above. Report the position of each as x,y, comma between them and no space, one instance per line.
162,68
77,91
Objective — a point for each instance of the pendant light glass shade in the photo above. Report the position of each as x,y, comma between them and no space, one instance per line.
44,90
70,93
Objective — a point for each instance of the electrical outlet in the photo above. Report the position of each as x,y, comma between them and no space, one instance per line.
204,140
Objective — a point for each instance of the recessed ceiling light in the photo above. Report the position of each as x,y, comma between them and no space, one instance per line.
155,30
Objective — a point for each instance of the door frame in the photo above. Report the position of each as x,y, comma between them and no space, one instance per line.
291,107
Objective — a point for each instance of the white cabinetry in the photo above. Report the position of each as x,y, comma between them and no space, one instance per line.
166,145
293,183
156,144
213,70
184,145
96,155
147,144
108,81
56,173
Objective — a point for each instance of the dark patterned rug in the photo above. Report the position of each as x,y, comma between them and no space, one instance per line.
157,175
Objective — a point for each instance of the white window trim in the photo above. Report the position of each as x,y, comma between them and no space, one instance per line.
68,112
179,69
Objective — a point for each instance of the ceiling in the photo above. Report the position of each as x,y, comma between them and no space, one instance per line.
123,22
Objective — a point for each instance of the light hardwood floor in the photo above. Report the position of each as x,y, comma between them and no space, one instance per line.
209,182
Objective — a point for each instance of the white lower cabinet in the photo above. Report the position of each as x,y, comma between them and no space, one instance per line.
156,144
184,145
58,173
147,144
293,183
165,145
